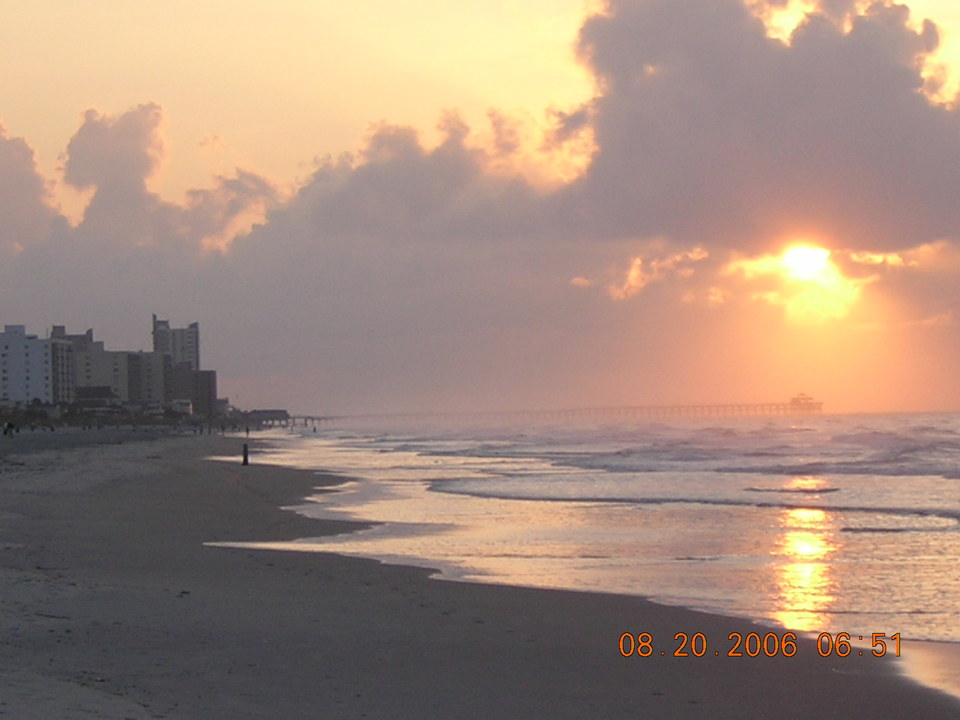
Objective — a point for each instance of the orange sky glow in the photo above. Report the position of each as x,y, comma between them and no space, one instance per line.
605,205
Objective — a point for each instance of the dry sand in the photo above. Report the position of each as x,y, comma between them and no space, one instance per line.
111,606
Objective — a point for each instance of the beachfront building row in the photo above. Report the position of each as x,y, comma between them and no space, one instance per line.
65,368
125,376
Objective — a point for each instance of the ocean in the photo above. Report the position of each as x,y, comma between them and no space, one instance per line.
819,523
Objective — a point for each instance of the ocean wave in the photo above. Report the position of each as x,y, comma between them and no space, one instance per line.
800,490
888,529
883,467
456,487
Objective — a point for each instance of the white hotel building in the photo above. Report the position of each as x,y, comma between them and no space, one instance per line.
33,368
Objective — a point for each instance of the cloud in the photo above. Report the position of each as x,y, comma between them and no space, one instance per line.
712,132
116,154
644,271
26,204
233,207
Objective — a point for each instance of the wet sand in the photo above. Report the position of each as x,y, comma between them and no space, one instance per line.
111,606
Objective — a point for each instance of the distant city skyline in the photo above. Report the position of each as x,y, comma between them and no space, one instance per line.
74,369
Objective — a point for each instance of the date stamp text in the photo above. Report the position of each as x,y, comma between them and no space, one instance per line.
754,644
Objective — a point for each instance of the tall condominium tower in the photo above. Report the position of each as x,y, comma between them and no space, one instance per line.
33,368
181,344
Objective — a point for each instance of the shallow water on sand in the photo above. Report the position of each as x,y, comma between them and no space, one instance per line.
821,524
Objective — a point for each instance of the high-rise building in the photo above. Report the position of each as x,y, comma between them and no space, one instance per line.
62,380
205,393
34,369
79,342
147,374
137,377
198,388
181,344
93,366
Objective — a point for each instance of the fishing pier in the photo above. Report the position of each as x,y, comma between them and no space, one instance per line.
799,405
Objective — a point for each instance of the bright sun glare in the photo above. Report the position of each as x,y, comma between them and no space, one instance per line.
821,291
812,287
807,264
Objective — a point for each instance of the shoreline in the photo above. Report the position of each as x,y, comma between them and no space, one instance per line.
112,604
931,664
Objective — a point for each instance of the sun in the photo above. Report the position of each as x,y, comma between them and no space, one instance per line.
804,280
806,263
820,290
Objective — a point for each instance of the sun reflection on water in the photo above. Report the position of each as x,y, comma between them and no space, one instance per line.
805,577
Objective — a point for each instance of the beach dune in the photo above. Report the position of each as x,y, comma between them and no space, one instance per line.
112,606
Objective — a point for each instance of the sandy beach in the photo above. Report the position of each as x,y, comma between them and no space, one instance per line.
112,606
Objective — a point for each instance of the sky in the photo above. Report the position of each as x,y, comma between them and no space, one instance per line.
426,206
